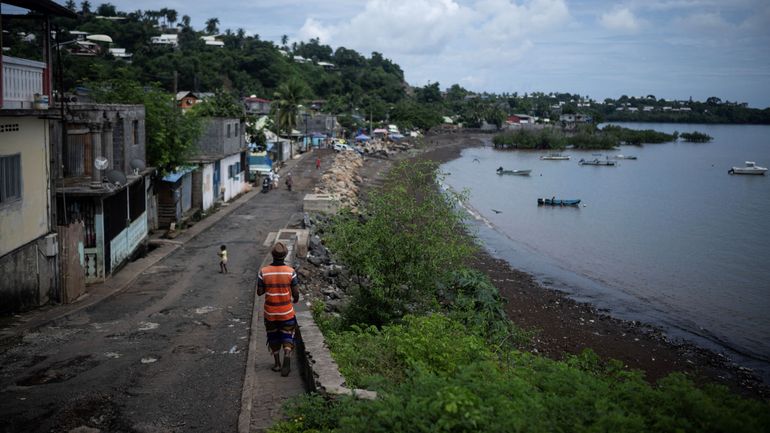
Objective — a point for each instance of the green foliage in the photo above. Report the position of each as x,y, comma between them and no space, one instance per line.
170,134
541,138
450,381
411,236
222,104
635,136
288,98
695,137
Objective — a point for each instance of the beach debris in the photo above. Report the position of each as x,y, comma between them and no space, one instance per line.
497,211
147,326
204,310
149,360
113,355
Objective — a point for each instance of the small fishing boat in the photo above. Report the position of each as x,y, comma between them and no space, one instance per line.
557,202
555,157
750,168
597,162
625,157
501,172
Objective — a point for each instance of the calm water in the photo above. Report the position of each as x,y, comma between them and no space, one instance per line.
669,239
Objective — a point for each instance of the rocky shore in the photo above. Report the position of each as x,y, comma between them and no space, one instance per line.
561,325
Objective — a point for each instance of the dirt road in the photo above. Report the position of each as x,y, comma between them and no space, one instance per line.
168,352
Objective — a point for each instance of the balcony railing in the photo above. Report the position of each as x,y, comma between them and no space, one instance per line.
22,79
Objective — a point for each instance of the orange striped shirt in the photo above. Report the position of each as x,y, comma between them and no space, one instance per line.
277,281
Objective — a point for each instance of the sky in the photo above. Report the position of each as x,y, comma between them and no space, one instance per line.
672,49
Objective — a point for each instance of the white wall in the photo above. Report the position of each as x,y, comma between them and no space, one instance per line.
233,186
25,220
207,182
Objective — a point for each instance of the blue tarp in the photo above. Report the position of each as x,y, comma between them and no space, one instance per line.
362,137
175,176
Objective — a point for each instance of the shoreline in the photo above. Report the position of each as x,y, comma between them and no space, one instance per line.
566,326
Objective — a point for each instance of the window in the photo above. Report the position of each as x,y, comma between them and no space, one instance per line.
135,128
236,129
228,130
10,178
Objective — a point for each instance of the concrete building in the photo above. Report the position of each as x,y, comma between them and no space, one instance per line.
103,184
221,158
29,130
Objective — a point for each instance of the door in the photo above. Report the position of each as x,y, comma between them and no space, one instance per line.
216,180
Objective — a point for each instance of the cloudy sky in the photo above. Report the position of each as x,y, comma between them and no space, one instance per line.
673,49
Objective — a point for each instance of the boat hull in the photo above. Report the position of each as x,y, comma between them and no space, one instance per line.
557,202
741,170
597,162
515,172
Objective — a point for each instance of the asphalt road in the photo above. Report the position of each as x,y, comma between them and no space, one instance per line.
167,353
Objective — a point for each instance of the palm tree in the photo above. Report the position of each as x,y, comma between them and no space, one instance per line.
171,15
284,41
286,102
186,21
85,7
70,4
212,25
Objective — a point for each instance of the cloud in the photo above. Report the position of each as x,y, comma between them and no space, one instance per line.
620,19
418,26
704,22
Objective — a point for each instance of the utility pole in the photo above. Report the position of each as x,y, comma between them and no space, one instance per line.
176,79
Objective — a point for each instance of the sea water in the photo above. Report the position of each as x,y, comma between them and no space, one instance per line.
670,239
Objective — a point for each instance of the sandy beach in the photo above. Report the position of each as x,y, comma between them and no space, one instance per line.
563,326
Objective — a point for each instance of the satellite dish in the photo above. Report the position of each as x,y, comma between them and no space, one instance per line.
101,163
116,177
137,165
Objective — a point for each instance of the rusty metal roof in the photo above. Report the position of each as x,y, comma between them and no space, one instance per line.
47,7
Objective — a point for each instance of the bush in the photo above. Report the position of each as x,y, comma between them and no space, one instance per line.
454,383
410,239
696,137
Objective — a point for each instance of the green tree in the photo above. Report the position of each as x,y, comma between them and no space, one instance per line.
222,104
106,10
286,102
85,8
70,4
212,26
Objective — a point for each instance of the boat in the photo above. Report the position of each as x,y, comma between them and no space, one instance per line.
555,157
596,162
625,157
557,202
750,168
501,171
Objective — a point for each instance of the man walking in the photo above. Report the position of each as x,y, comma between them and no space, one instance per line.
279,283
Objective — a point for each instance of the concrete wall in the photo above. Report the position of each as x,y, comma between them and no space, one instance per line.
28,277
214,140
125,126
24,220
235,185
207,187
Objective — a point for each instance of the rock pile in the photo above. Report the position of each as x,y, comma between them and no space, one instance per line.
384,148
342,179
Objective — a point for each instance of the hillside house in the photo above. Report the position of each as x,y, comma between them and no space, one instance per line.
221,159
254,105
29,132
103,184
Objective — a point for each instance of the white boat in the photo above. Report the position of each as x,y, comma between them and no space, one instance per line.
501,171
554,157
750,168
625,157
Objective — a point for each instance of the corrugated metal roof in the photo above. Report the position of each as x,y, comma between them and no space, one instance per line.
44,6
175,176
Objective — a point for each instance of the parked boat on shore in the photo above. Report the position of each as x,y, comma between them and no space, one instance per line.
597,161
502,171
750,168
555,157
557,202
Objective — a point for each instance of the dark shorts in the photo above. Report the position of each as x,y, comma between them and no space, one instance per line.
280,333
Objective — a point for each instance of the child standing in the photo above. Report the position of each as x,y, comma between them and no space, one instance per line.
222,259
